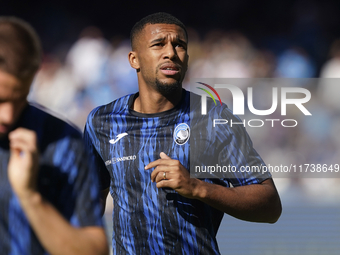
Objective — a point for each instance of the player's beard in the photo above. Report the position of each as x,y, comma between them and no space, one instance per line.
167,89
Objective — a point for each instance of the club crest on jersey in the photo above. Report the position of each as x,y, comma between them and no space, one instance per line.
182,133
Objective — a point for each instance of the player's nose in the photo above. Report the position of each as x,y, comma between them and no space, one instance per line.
170,51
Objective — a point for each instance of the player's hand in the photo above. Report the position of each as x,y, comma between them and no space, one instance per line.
23,162
177,177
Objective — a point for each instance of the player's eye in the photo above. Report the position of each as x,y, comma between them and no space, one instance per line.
158,44
179,45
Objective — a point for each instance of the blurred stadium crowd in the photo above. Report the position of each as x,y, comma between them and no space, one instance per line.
95,71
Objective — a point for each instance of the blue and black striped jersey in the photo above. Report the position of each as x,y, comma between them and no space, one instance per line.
148,220
64,179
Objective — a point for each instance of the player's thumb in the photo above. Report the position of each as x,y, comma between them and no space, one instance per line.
164,156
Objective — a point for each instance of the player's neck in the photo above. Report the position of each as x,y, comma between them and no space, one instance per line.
150,101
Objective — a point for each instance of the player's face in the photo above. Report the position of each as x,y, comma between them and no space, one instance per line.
162,55
13,94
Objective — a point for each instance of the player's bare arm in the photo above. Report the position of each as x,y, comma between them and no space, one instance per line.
255,202
22,173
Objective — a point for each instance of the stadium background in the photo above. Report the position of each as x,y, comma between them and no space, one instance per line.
85,65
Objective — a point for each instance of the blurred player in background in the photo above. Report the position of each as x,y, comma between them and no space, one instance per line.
49,200
141,148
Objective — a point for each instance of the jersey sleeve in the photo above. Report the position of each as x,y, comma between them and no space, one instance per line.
96,161
237,151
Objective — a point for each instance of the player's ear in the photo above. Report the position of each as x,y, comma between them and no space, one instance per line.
133,59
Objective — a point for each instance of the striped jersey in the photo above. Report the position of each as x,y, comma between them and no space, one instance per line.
64,179
148,220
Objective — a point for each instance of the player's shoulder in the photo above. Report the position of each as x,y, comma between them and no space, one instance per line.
48,126
118,106
38,116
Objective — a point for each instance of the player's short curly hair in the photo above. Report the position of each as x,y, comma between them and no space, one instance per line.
20,49
156,18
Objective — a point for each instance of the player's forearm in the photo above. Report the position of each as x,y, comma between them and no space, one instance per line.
56,235
255,202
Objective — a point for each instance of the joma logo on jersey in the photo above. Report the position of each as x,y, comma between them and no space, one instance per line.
239,102
118,137
115,160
